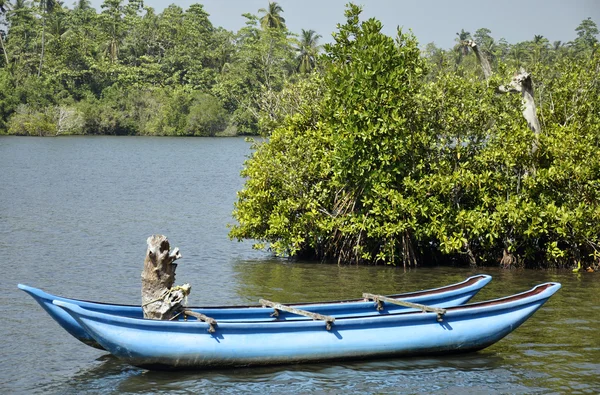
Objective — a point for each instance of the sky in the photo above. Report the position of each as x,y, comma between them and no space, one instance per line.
431,21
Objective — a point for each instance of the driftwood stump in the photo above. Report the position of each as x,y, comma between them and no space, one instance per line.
522,83
160,299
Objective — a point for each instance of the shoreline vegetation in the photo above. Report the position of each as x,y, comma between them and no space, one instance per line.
378,150
406,158
127,70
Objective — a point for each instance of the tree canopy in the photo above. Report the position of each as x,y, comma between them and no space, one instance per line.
125,69
403,158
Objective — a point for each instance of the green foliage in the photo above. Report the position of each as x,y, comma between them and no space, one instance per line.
339,204
128,70
262,63
391,165
206,117
586,35
53,56
296,96
8,101
286,186
27,121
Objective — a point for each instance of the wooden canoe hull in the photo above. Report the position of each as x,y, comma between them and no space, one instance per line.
171,344
451,295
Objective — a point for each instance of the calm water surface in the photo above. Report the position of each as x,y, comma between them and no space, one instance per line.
74,217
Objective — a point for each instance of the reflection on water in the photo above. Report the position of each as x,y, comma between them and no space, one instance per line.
292,282
74,217
475,371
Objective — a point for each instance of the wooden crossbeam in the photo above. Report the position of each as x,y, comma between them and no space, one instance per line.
281,307
380,299
210,321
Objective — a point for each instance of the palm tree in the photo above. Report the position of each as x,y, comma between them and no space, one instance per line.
517,53
556,45
47,6
19,5
113,25
58,29
272,18
539,47
308,49
4,5
462,47
82,5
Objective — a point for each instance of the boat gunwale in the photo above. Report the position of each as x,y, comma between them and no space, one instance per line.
506,302
468,282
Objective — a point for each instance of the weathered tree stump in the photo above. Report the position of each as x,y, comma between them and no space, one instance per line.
483,61
522,83
160,299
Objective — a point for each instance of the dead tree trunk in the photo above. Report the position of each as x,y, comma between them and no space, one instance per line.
160,300
522,83
483,61
4,50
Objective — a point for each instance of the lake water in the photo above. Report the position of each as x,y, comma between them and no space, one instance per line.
75,213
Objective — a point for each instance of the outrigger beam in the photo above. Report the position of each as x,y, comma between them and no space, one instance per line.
280,307
380,299
210,321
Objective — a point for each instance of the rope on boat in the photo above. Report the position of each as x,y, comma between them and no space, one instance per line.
380,299
185,289
159,299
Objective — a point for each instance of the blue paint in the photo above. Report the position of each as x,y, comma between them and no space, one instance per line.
451,295
178,344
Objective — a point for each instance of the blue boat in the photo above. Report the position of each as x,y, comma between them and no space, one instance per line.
451,295
155,344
